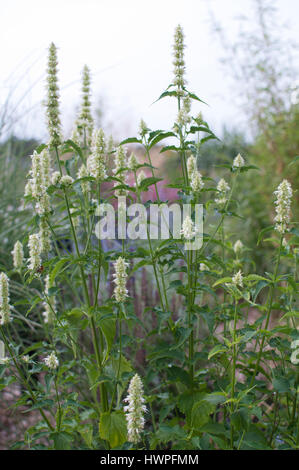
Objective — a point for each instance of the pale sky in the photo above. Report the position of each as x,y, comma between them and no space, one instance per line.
127,45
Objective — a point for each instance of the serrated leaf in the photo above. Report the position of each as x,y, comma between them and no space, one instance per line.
62,440
220,348
113,428
160,137
200,414
131,140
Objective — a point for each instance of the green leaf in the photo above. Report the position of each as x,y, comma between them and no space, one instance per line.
281,384
62,440
148,182
87,433
200,414
187,400
262,233
166,93
296,159
220,348
113,428
241,419
223,280
215,398
58,266
167,148
108,327
75,147
131,140
160,137
194,97
255,277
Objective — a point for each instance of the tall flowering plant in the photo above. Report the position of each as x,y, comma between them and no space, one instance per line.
216,369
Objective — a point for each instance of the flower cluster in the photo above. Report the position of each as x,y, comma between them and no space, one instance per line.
203,267
295,354
120,279
183,117
223,189
239,161
135,409
133,162
51,361
188,230
141,176
4,300
53,117
143,129
50,305
55,179
18,255
40,172
194,175
191,166
237,279
238,247
120,159
96,161
66,181
44,236
121,164
196,182
34,246
40,180
83,173
179,62
283,206
82,133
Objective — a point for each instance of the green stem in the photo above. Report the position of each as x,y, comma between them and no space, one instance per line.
24,380
233,373
85,290
272,288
